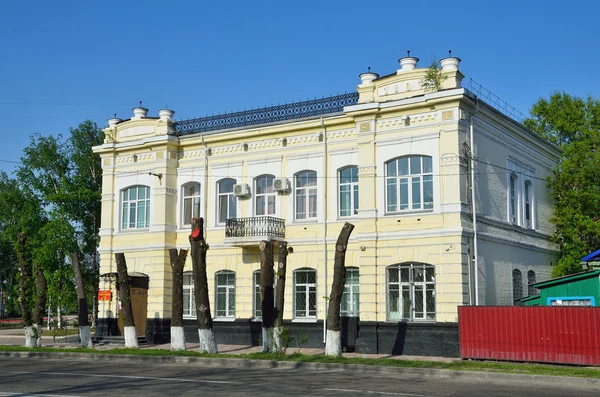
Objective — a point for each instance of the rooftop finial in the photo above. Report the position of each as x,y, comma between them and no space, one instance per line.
140,103
369,69
408,53
449,53
115,115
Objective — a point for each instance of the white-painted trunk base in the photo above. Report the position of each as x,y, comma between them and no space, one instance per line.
85,336
130,338
277,342
38,341
333,343
177,338
267,340
206,337
30,337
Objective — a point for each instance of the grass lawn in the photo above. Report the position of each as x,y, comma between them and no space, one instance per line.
513,368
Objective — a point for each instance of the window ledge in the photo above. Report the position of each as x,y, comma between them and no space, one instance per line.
409,212
225,319
305,320
304,221
133,231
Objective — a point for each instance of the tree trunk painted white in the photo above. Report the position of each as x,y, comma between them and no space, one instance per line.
30,336
38,333
277,342
333,344
267,339
177,338
130,338
206,337
59,318
85,336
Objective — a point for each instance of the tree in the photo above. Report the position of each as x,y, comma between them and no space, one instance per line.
85,337
177,332
125,296
280,295
206,336
266,294
573,124
333,344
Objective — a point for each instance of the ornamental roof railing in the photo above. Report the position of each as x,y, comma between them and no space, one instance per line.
267,115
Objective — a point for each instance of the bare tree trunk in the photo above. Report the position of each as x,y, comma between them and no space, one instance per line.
199,247
333,345
280,297
40,302
177,334
266,294
128,322
85,335
26,291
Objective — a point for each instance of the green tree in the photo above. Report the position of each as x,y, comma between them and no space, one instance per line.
573,124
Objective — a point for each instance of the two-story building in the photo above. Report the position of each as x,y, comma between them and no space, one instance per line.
400,162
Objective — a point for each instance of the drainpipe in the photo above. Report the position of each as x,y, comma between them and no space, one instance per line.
205,184
473,206
324,174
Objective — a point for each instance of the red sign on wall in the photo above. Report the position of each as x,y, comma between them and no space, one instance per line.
104,295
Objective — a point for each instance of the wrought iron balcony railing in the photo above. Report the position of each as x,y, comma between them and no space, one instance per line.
271,114
258,226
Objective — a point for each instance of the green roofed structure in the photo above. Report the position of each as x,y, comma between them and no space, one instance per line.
580,289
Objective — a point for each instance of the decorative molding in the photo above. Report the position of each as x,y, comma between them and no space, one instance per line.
239,147
165,190
190,154
300,139
452,159
271,143
339,134
107,161
367,170
108,196
407,120
365,127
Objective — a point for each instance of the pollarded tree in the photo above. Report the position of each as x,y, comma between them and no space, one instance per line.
573,124
177,332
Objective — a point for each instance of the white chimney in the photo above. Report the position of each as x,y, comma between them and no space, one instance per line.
113,121
407,63
450,63
166,114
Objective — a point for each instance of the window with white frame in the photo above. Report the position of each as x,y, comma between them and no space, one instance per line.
513,199
306,195
305,293
264,195
528,204
191,202
409,183
257,311
225,293
411,292
226,201
135,207
348,188
189,298
350,297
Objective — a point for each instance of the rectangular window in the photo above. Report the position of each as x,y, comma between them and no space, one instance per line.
409,184
189,299
306,195
305,294
348,187
411,292
225,294
513,198
135,211
191,202
350,297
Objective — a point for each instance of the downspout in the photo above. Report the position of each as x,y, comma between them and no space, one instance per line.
205,184
324,173
473,206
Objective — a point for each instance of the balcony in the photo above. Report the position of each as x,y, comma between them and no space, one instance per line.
243,232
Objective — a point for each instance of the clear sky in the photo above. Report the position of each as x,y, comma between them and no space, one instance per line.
62,62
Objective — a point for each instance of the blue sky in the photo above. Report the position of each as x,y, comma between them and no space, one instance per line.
67,61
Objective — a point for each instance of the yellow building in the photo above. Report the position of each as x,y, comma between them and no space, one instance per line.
394,158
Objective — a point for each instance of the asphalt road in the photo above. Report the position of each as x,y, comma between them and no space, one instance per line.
65,377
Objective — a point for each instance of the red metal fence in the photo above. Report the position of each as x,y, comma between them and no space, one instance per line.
569,335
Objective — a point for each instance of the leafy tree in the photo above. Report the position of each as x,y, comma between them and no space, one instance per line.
573,124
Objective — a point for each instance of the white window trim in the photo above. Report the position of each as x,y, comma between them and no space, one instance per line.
182,223
352,295
149,199
517,201
308,218
339,192
307,317
227,288
218,196
266,195
532,225
410,177
191,288
411,292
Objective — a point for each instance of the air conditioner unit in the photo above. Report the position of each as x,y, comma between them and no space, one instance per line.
281,184
241,190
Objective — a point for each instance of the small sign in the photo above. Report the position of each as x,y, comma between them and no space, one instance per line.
195,233
104,295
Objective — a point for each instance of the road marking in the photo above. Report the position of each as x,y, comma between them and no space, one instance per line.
386,393
33,395
124,377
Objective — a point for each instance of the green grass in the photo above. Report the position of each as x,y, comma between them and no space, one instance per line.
513,368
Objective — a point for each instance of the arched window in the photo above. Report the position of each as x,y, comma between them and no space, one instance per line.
264,195
348,191
350,298
226,200
409,183
305,293
517,279
306,195
411,292
531,290
135,207
513,197
225,294
528,204
191,202
189,299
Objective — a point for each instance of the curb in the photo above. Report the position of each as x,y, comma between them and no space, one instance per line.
465,375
